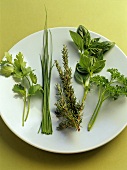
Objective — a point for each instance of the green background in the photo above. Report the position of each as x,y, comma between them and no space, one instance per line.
20,18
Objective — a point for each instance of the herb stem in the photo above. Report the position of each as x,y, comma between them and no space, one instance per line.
85,95
95,113
28,109
24,110
86,88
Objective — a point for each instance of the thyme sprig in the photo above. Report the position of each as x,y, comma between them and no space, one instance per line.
68,110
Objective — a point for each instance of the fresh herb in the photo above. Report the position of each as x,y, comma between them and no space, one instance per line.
94,46
68,110
113,88
27,81
91,51
46,65
85,70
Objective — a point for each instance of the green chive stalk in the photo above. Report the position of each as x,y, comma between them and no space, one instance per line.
46,65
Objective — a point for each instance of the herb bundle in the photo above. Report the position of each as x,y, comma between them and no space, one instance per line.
113,88
46,65
26,85
68,110
91,52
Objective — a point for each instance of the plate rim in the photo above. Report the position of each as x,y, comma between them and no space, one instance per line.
62,152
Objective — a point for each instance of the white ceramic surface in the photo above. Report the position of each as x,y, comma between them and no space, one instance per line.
112,118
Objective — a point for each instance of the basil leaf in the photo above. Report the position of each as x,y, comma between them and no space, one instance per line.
95,40
85,62
84,33
99,48
107,45
98,66
80,69
87,40
79,77
77,40
81,30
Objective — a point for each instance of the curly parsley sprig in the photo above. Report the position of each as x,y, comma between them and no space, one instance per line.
113,88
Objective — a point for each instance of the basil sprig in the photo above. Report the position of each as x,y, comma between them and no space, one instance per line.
91,52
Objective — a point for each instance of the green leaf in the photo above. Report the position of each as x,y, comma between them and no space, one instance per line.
80,69
7,70
85,62
98,49
25,70
95,40
99,55
100,81
8,57
80,78
33,77
84,33
6,60
18,62
87,40
20,68
107,45
34,89
77,40
81,30
3,62
98,66
18,88
115,74
17,73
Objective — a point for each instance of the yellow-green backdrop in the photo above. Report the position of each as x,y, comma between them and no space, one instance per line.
18,19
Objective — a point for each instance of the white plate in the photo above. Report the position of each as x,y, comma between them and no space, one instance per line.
112,118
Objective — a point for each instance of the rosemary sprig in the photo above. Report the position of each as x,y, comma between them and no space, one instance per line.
67,108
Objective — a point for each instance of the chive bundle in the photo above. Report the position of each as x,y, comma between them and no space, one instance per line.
46,65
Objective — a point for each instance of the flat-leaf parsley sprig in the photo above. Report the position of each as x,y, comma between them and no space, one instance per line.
68,110
113,88
26,81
